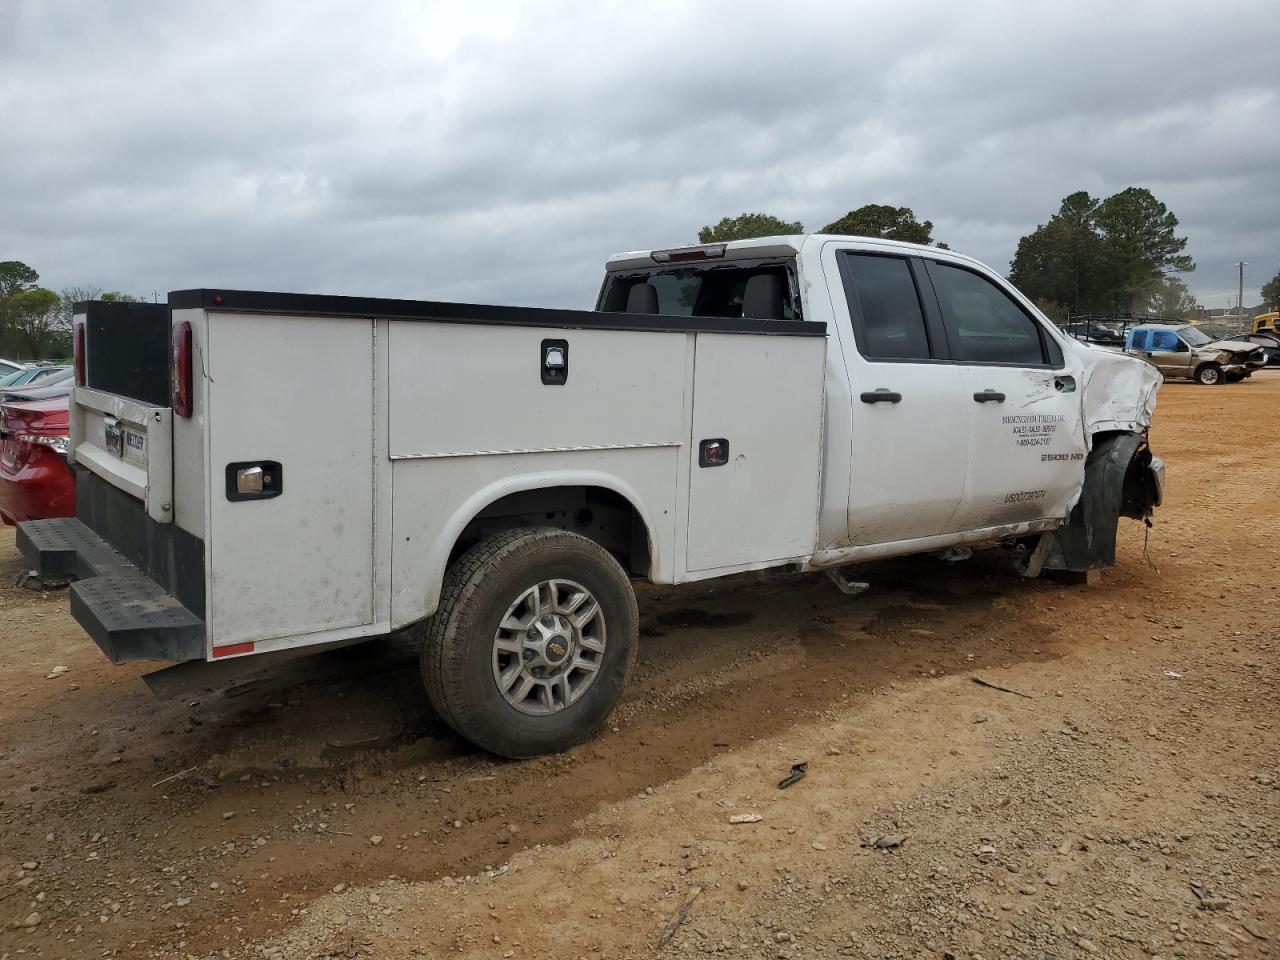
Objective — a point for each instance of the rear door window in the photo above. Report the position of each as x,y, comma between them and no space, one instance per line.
1139,340
884,304
984,324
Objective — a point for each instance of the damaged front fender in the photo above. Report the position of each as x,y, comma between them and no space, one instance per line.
1119,393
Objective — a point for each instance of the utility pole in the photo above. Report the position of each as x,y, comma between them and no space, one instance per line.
1240,303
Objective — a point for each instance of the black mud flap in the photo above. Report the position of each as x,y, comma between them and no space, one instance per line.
1116,484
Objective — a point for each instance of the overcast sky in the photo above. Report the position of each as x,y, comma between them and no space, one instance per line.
474,151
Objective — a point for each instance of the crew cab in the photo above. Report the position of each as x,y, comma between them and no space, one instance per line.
1181,351
495,478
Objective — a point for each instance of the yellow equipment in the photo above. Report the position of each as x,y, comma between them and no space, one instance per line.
1267,322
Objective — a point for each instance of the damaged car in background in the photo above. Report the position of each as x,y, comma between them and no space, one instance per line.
493,478
1182,351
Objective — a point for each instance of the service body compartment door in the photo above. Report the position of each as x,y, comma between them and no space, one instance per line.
763,396
297,391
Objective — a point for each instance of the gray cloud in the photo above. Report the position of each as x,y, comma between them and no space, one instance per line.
493,153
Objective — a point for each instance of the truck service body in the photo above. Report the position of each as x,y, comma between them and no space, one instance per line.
266,473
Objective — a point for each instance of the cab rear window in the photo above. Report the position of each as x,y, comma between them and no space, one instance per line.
702,291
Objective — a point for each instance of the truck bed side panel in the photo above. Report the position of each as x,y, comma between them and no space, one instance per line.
460,389
472,421
299,391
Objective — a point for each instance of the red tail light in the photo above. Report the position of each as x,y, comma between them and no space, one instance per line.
77,350
180,370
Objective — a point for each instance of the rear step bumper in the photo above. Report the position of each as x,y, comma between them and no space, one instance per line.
129,615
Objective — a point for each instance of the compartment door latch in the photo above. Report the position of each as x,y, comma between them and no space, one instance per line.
555,362
254,480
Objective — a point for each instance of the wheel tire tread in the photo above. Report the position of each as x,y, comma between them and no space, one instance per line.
442,653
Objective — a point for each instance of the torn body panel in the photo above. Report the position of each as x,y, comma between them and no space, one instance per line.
1119,392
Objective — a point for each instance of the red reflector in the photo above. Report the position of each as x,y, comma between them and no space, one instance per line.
217,299
712,251
77,349
180,370
231,649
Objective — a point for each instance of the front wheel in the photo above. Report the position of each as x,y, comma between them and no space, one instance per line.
531,645
1209,374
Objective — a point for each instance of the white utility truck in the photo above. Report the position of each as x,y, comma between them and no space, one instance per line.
260,474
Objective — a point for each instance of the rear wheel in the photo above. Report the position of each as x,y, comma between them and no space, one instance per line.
1208,374
530,648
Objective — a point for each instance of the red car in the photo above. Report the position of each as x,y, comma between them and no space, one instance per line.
35,481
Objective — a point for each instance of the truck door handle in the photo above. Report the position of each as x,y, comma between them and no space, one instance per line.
986,396
881,395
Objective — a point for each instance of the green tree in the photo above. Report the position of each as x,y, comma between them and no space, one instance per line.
1172,299
886,222
35,321
746,226
1141,246
1101,255
1061,261
1271,292
16,278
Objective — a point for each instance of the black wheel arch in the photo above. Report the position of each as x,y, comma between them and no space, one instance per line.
1118,482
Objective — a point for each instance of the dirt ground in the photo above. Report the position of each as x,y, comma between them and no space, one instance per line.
1124,802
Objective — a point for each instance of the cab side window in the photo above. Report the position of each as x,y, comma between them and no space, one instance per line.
885,307
985,325
1164,340
1139,340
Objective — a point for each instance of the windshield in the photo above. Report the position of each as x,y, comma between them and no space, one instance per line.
1195,337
